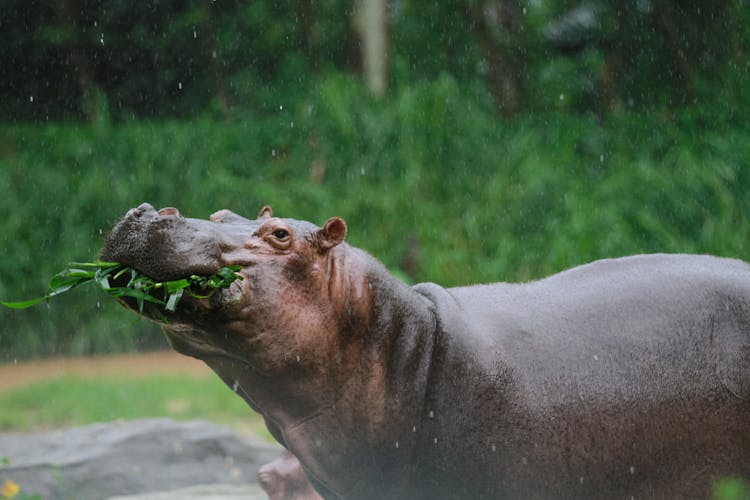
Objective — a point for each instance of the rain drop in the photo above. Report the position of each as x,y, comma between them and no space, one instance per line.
101,39
195,34
596,358
236,385
396,444
435,440
494,448
414,428
281,107
581,480
179,85
297,358
273,152
632,470
31,98
601,158
562,97
432,415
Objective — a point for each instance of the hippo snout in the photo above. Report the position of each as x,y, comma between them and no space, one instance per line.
163,244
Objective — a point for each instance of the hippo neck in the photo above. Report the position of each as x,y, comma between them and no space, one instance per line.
387,328
375,415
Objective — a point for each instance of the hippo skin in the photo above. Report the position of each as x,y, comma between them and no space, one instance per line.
623,378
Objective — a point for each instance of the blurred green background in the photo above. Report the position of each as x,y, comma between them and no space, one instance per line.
463,141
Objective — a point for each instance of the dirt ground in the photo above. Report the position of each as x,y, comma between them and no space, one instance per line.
152,363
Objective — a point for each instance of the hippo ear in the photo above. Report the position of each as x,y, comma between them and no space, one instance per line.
331,235
266,212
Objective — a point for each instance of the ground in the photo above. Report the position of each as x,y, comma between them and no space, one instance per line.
19,374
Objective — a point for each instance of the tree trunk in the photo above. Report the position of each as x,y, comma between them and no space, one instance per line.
78,61
498,26
371,23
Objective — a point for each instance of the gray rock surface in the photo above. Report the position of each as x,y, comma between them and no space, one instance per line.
136,457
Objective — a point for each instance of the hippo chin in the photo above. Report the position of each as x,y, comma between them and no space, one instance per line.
620,378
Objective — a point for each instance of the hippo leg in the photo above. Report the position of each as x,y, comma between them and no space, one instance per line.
284,479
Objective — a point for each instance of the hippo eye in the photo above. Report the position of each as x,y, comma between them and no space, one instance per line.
281,234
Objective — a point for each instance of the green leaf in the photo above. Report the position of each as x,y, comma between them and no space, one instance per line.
177,285
24,303
139,287
174,298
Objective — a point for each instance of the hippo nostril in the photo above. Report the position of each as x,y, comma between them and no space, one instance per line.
139,210
169,211
145,207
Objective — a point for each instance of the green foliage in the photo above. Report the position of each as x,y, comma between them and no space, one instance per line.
429,182
731,489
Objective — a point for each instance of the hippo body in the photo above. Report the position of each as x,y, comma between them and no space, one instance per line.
621,378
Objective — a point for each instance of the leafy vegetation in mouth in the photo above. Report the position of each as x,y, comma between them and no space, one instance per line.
140,287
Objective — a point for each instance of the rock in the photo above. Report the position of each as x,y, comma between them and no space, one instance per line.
135,457
204,492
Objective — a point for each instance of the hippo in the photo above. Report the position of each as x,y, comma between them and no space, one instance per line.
622,378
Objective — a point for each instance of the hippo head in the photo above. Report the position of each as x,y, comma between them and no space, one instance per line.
279,311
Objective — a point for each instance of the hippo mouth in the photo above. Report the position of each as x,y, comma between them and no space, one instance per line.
182,256
156,299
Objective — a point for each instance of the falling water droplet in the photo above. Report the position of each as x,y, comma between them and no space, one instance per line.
297,358
432,415
494,448
396,444
31,98
195,34
236,385
179,85
435,440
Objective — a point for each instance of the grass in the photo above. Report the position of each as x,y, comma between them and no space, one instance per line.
70,401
